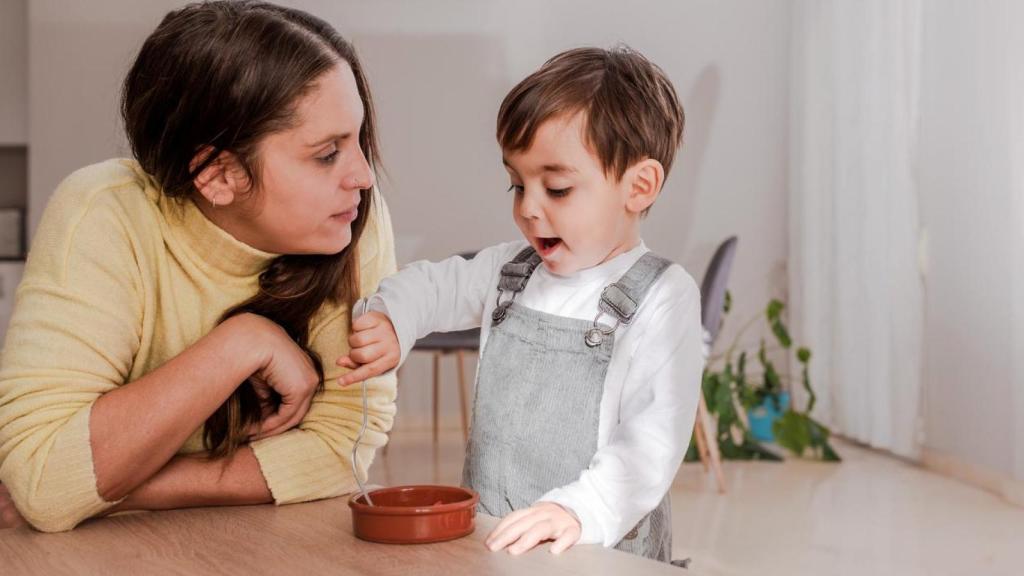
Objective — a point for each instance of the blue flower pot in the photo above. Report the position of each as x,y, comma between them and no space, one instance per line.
762,417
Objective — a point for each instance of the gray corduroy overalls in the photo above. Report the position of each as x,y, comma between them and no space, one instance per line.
538,398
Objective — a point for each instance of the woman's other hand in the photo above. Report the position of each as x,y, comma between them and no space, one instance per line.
285,372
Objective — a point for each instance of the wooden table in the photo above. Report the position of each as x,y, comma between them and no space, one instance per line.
311,538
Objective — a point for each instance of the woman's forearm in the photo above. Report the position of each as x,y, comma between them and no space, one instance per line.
190,481
136,429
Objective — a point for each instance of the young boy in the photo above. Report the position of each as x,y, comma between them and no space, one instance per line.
591,345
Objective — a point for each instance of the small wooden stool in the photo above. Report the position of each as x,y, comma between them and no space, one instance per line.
706,436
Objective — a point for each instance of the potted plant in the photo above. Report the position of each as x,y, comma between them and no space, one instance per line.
753,406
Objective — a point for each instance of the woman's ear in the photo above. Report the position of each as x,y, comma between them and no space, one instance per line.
645,179
221,181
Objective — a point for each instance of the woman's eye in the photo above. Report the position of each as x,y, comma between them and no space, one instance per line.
329,158
517,188
559,192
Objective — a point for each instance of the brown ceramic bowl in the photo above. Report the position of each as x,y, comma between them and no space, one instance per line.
414,514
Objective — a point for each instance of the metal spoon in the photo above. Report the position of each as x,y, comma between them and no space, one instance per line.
358,310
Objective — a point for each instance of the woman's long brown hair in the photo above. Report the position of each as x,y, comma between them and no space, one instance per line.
221,76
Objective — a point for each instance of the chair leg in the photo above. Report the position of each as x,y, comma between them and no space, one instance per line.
437,392
460,357
702,444
712,442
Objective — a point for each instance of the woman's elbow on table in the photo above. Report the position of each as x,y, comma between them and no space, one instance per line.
49,512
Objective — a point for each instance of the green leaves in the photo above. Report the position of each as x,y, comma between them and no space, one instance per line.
774,314
771,386
804,356
721,389
792,433
804,436
728,387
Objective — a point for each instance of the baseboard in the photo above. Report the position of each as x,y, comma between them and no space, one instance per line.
998,483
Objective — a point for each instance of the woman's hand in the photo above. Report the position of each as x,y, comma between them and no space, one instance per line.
523,529
9,515
285,372
374,348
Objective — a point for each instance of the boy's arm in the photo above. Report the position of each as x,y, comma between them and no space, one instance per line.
444,296
629,476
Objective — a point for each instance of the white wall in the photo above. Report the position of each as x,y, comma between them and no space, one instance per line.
13,72
438,71
972,193
78,56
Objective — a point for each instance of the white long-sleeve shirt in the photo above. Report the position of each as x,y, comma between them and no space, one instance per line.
650,392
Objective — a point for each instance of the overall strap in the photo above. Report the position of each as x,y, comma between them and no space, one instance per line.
622,298
516,272
514,276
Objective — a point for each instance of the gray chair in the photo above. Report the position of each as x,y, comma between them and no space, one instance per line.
442,344
713,288
712,301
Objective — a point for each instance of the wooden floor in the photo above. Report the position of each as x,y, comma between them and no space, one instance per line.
870,515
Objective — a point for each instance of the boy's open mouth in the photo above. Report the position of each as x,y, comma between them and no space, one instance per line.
548,245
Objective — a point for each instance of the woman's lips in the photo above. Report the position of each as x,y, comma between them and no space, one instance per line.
346,216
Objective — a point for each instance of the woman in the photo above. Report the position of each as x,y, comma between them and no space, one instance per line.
165,349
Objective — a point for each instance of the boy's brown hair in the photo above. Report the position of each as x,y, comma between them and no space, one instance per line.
630,108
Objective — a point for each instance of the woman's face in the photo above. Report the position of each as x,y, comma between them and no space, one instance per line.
310,175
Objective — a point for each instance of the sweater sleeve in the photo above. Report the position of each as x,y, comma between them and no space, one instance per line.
312,461
73,337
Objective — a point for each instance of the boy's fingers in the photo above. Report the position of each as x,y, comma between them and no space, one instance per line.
365,322
516,527
364,338
362,373
367,354
538,532
504,524
565,540
346,362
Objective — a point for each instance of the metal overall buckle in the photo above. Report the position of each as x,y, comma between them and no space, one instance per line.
501,308
595,336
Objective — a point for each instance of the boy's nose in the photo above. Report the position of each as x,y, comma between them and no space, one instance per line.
529,208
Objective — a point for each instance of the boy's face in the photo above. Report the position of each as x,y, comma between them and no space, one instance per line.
567,208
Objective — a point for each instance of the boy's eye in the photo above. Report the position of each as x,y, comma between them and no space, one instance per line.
517,188
559,192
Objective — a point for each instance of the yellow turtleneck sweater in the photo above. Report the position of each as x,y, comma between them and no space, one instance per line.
120,280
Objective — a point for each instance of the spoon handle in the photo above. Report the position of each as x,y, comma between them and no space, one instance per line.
358,310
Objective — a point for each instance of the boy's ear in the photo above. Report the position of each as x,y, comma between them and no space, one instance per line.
222,181
645,179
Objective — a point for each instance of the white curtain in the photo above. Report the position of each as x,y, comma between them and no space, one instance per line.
857,296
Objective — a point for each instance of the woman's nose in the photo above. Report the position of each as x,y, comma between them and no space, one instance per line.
360,176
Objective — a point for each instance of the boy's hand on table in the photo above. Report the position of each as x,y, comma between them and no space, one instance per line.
523,529
373,348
